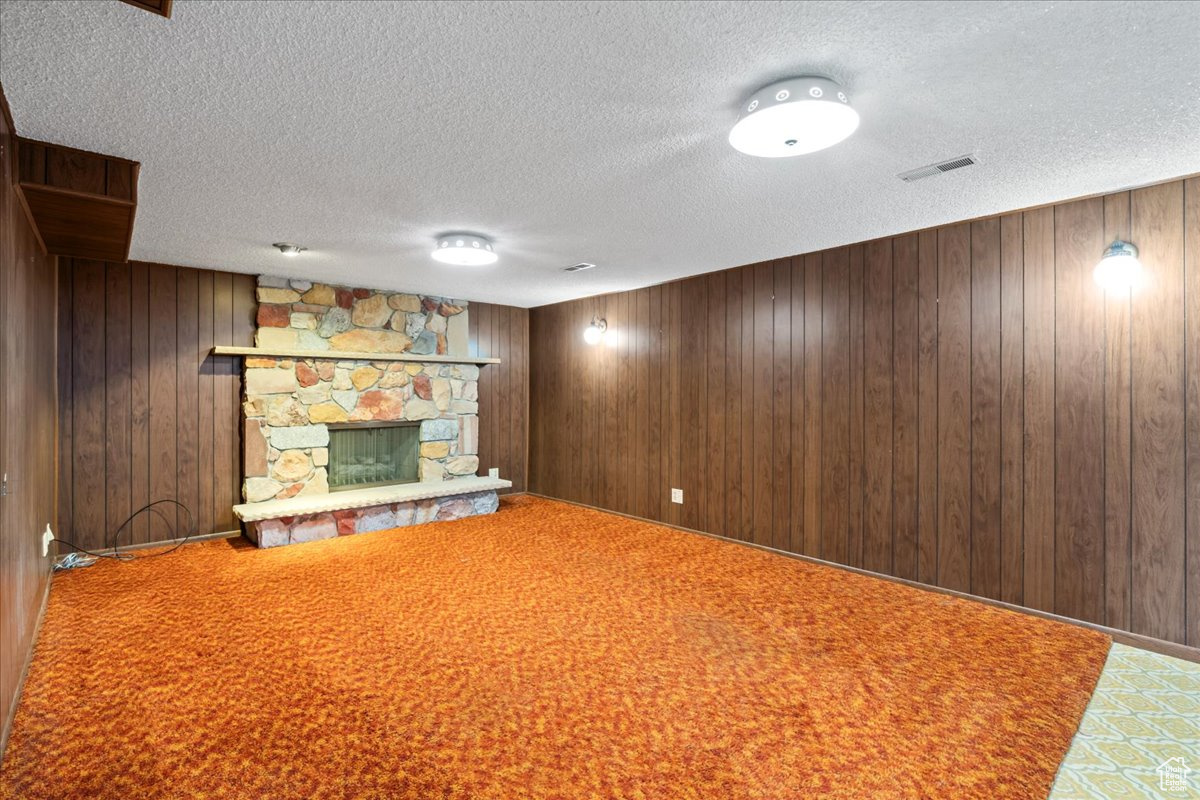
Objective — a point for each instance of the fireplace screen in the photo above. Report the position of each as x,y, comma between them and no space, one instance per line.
372,454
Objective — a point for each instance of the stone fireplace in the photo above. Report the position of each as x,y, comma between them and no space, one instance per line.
361,412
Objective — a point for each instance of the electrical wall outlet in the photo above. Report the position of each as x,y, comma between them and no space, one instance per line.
494,472
47,539
677,496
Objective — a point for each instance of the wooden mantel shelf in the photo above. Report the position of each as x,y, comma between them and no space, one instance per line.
347,355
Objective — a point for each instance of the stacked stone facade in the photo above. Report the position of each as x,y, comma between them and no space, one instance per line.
301,315
289,404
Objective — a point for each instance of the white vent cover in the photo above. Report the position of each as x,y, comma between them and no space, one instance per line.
938,168
580,267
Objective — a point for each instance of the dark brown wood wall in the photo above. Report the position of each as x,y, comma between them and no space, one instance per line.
502,332
27,421
962,407
145,411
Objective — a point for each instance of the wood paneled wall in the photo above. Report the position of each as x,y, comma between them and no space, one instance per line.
27,428
145,412
502,332
962,407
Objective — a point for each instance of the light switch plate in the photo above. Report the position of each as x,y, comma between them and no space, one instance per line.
677,496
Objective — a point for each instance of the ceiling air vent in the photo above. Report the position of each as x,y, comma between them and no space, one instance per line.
938,168
580,267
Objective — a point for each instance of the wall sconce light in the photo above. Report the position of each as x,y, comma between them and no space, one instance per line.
1119,269
594,333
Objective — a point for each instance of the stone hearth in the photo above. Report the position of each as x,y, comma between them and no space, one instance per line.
305,519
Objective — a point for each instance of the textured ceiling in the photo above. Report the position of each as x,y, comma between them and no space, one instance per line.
588,131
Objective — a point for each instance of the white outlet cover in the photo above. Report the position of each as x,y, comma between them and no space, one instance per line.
677,496
47,539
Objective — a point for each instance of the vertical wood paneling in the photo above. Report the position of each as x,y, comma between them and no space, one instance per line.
985,408
798,403
762,434
187,412
65,401
879,322
675,465
715,444
28,407
733,404
139,402
205,437
693,411
854,471
905,396
164,399
835,405
1158,415
1079,400
746,421
643,484
813,420
1118,430
227,379
954,404
495,331
781,411
118,463
88,405
962,406
927,406
1012,409
1039,409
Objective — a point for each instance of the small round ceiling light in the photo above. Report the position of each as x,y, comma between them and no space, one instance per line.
1119,269
464,250
793,117
291,250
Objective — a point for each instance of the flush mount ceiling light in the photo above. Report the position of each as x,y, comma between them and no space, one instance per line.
1119,269
793,117
291,250
594,333
464,250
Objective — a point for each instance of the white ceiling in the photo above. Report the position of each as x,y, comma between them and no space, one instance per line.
588,131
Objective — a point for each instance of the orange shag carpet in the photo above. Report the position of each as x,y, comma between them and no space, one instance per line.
545,651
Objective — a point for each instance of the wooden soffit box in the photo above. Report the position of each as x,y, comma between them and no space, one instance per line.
162,7
80,204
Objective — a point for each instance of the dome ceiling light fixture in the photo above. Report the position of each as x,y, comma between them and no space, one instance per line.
464,250
291,250
793,117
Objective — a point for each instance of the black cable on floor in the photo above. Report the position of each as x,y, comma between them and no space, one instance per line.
115,535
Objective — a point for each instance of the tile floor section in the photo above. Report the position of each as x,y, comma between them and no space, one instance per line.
1144,714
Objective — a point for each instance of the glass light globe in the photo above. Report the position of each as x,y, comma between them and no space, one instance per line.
594,333
1119,269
